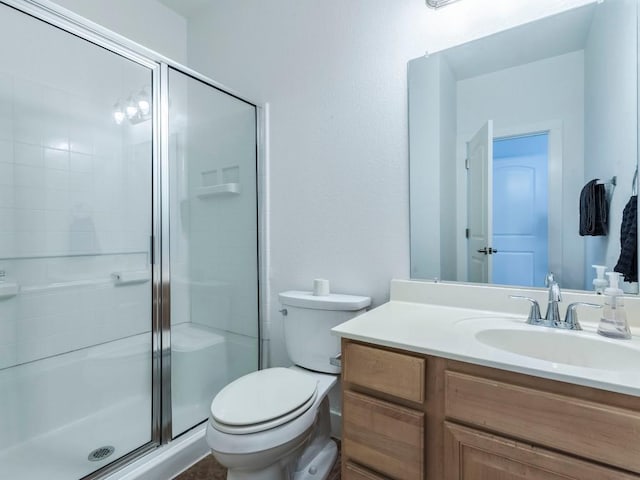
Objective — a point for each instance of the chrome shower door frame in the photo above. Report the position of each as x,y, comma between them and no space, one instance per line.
56,16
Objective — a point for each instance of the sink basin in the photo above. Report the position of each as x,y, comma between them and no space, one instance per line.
569,348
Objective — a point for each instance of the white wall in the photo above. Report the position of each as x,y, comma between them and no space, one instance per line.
336,83
554,93
146,22
611,47
334,73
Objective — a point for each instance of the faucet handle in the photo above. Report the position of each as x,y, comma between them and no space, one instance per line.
534,318
571,319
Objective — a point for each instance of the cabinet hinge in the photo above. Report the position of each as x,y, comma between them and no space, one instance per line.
466,163
466,233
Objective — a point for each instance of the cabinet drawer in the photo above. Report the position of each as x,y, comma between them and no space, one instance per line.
396,374
384,437
352,471
471,454
593,430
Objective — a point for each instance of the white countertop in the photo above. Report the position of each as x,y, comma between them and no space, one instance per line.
450,332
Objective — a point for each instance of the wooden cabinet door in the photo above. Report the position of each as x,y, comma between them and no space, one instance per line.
588,429
382,436
351,471
474,455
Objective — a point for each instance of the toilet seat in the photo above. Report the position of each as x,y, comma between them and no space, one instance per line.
263,400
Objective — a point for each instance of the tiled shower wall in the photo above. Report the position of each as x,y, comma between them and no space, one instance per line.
75,195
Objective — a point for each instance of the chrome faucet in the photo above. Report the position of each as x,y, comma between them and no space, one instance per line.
553,313
552,317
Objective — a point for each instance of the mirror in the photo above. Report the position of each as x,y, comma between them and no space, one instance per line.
535,113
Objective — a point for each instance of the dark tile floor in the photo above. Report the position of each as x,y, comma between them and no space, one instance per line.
209,469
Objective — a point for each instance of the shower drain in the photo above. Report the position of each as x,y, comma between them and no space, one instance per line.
100,453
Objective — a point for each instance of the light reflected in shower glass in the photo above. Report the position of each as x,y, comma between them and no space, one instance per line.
75,216
214,283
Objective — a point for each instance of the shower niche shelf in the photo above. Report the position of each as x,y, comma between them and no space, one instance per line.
218,190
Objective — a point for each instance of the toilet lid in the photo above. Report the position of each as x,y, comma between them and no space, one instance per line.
263,399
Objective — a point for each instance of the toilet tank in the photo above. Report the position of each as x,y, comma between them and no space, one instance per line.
308,322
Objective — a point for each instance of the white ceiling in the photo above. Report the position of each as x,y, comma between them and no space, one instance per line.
548,37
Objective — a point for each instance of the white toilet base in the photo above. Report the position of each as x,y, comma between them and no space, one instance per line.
320,467
301,449
273,472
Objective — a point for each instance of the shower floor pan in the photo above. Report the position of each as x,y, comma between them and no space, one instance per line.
62,454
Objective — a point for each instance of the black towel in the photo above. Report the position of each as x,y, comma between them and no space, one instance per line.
628,262
594,209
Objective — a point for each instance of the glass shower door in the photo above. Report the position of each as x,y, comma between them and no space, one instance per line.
75,278
214,244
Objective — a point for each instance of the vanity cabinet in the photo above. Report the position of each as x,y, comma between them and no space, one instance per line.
383,419
474,454
414,417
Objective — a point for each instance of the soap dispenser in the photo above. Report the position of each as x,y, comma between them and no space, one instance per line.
614,323
600,283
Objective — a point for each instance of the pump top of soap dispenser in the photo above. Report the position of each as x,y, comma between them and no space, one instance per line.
613,290
600,283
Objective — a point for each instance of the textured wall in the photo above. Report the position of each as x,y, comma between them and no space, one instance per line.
334,74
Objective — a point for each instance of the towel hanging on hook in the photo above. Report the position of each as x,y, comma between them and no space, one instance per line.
628,262
593,210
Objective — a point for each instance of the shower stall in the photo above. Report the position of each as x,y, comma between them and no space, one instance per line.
129,266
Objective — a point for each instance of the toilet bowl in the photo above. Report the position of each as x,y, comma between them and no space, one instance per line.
274,424
265,444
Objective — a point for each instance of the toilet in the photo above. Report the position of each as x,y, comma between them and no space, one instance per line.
274,424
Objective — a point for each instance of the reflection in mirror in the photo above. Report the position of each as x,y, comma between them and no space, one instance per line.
505,132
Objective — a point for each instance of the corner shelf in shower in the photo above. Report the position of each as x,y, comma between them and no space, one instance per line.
218,190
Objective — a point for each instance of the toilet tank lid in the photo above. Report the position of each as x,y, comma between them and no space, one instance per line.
333,301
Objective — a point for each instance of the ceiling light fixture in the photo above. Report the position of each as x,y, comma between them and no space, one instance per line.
142,100
136,109
131,109
118,113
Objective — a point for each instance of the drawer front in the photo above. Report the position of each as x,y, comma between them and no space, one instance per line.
396,374
474,455
352,471
384,437
596,431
